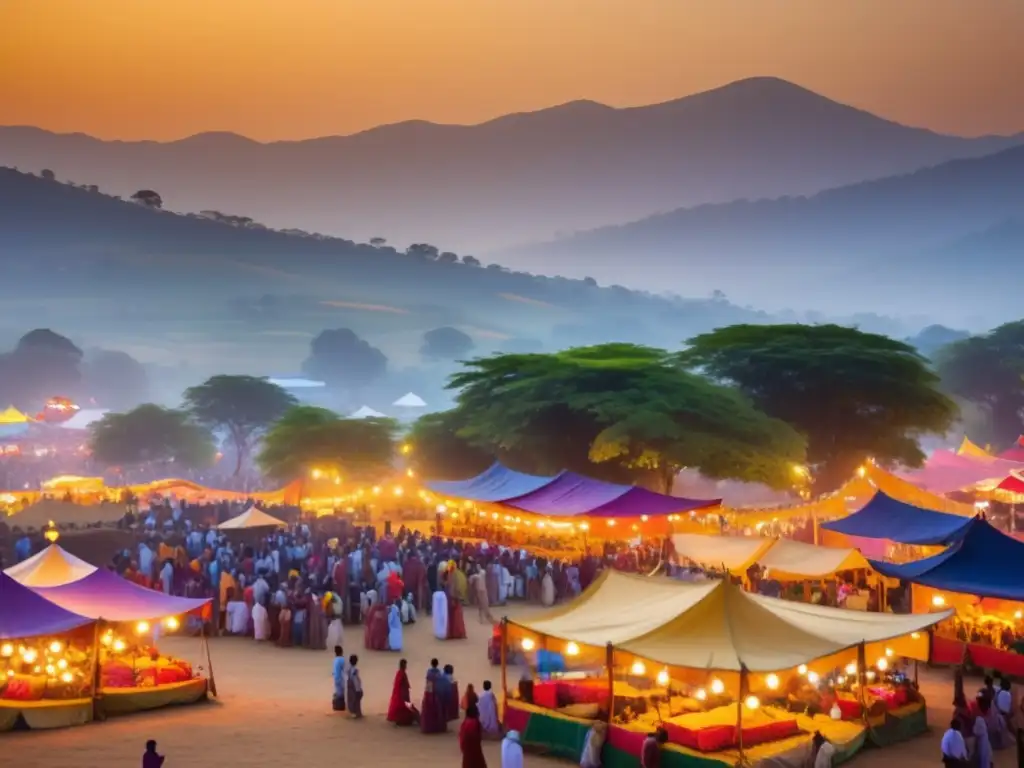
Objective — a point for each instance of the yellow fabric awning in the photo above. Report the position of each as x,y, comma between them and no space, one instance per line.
50,568
734,553
789,560
253,517
967,448
12,415
716,625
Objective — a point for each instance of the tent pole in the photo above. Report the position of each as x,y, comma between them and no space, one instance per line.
744,684
814,522
97,675
862,678
610,663
504,664
209,661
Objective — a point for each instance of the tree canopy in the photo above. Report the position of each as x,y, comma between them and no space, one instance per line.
244,406
619,411
307,438
343,360
151,433
440,452
854,395
989,370
446,343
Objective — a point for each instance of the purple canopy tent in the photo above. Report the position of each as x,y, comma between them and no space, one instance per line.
105,595
24,614
570,495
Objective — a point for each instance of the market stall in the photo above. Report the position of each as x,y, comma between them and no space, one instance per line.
47,661
134,675
732,677
252,518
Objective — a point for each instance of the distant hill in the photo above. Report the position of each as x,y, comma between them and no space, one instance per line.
207,295
519,178
916,242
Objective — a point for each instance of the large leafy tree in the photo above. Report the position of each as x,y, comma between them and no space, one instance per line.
306,438
440,452
619,411
154,434
243,406
854,395
446,343
989,370
344,361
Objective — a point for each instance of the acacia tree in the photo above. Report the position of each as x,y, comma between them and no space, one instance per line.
244,406
440,452
989,370
854,395
307,437
620,411
151,433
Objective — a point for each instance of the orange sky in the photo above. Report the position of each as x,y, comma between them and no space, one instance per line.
164,69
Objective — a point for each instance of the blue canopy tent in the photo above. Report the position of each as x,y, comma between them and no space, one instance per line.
980,563
886,518
495,485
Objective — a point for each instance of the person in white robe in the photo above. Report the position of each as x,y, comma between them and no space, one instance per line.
511,751
335,629
440,614
394,627
591,757
488,707
367,600
238,614
260,622
547,590
408,610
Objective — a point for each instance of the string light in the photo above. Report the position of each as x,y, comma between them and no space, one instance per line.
56,647
171,623
938,601
528,644
883,664
638,668
813,678
571,649
701,694
662,678
67,677
772,681
142,628
717,687
851,668
802,669
752,702
6,650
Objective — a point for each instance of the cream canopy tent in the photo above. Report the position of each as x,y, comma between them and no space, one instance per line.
366,412
410,400
253,517
734,553
717,626
50,568
787,559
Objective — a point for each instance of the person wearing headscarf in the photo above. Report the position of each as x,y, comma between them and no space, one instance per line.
511,751
400,709
591,757
469,698
316,637
260,622
432,712
395,626
471,740
547,590
488,706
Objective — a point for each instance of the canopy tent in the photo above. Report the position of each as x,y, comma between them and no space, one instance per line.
1016,453
12,415
1014,483
967,448
105,595
253,517
716,625
980,563
366,412
50,568
410,400
84,418
23,613
733,553
945,471
496,484
886,518
794,560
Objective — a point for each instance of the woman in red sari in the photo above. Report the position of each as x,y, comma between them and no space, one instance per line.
471,740
400,709
456,621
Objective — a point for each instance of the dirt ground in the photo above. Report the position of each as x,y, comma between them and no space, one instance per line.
274,712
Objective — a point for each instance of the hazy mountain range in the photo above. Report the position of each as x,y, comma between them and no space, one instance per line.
517,179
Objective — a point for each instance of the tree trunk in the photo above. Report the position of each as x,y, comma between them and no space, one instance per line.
667,478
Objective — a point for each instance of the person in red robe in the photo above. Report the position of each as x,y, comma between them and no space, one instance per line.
451,694
375,630
400,709
432,713
415,573
456,621
471,740
395,588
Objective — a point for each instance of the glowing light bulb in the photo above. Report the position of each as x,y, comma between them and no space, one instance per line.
584,527
29,655
938,601
571,649
851,668
882,664
142,627
6,650
915,635
398,490
701,694
643,518
10,673
662,678
56,647
611,522
375,490
752,702
528,644
638,668
717,687
1018,615
772,681
171,623
67,677
871,675
802,669
51,670
62,664
119,645
813,678
888,652
107,639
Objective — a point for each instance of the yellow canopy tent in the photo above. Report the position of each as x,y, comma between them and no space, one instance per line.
253,517
50,568
12,415
967,448
734,553
718,626
789,560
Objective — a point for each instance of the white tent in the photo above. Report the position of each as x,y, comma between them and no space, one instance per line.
85,418
410,400
253,517
52,567
366,412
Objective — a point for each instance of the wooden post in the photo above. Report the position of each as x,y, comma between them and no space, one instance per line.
744,683
814,521
504,664
97,673
862,679
610,662
209,662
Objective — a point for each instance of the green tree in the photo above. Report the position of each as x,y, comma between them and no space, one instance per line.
854,395
244,406
440,452
989,370
306,438
621,412
151,433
